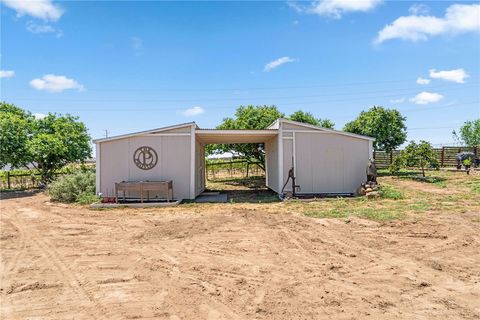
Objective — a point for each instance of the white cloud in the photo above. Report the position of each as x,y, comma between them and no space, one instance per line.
399,100
459,18
137,45
38,28
194,111
457,75
41,9
277,63
7,73
54,83
426,97
335,8
39,116
421,80
417,9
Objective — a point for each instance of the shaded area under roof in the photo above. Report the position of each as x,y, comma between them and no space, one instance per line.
209,136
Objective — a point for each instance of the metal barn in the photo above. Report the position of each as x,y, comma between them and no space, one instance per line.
324,161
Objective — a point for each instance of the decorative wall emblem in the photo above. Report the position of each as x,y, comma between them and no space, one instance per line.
145,158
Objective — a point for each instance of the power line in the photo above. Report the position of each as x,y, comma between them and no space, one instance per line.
357,97
329,85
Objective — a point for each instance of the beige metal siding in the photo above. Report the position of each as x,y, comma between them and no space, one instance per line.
330,163
271,150
291,126
116,161
185,129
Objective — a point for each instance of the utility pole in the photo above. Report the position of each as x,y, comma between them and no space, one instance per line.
106,133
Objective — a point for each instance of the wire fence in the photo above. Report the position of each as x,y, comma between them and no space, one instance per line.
20,181
220,170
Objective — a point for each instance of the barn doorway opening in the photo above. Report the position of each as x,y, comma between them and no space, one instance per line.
241,178
227,171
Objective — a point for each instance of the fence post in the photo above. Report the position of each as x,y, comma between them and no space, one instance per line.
442,157
248,165
8,179
391,157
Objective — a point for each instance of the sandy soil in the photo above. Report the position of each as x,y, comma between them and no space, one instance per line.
233,261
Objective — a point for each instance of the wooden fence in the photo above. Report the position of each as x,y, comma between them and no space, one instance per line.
445,156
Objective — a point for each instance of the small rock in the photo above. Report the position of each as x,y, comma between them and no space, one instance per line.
360,191
368,190
373,194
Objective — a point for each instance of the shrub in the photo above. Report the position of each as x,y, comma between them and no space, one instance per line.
388,192
75,187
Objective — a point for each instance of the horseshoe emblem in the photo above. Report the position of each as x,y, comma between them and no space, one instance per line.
145,158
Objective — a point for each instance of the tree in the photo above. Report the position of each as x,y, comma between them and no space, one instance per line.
307,117
387,126
248,117
48,144
15,128
416,155
469,133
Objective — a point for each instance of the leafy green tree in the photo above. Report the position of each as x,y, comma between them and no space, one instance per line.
15,128
469,133
57,141
248,117
416,155
48,144
387,126
307,117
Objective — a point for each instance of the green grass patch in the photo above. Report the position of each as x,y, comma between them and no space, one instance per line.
475,186
87,199
419,206
389,192
377,214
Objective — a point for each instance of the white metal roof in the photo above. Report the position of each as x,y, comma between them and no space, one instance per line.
139,133
276,124
209,136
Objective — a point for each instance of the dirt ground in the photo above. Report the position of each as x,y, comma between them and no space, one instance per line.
235,261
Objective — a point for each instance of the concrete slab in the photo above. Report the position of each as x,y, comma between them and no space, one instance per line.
135,204
212,198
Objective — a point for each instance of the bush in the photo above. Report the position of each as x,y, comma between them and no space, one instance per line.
76,187
388,192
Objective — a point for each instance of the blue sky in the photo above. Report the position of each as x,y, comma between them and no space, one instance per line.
130,66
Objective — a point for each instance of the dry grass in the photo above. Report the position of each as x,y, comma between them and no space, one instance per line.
403,196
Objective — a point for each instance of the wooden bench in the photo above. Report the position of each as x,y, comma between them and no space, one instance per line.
165,188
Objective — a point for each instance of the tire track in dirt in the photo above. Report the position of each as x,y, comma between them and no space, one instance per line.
52,257
11,268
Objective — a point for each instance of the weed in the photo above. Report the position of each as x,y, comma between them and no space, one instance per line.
389,192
